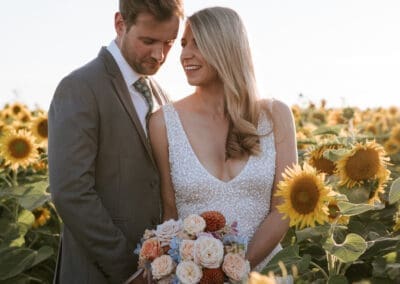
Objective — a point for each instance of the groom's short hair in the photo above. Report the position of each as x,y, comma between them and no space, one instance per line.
161,9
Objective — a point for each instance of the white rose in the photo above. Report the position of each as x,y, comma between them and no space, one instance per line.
194,224
162,266
189,272
186,249
235,267
167,230
208,252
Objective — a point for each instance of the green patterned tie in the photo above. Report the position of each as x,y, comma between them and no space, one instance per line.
143,88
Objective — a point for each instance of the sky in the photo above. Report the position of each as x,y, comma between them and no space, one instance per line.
344,51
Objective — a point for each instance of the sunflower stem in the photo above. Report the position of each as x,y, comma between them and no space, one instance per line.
320,269
14,177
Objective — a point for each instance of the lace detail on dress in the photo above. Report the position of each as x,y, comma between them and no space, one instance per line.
245,198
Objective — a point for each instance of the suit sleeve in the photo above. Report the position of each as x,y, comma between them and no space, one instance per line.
73,144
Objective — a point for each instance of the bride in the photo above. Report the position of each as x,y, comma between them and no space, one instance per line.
222,148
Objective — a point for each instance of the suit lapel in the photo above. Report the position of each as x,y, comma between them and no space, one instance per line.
125,98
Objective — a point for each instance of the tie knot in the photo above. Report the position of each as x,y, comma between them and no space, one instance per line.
141,85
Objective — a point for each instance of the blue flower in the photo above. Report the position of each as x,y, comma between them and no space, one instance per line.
174,249
234,239
137,249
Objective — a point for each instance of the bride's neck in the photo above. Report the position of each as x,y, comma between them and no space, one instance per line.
211,100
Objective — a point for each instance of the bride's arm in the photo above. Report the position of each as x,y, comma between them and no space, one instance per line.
273,228
159,144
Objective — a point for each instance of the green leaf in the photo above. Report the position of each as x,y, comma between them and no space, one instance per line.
42,254
350,250
313,233
26,218
356,194
25,221
14,260
288,255
335,130
351,209
335,154
33,195
337,279
8,233
394,193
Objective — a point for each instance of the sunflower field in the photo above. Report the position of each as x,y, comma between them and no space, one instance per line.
29,224
342,198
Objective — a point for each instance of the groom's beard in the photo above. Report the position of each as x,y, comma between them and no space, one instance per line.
148,66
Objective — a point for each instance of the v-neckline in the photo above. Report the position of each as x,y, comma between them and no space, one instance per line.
200,164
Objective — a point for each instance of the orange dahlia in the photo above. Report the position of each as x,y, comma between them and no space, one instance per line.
214,220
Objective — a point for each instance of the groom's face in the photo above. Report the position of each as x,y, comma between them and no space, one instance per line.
145,44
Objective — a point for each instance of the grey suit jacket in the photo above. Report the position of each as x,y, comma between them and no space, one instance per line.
103,179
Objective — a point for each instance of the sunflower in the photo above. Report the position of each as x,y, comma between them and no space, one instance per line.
24,116
18,149
16,108
365,162
395,134
392,146
257,278
42,215
393,110
315,157
305,196
39,129
334,213
335,117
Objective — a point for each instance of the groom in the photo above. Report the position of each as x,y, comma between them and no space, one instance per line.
103,179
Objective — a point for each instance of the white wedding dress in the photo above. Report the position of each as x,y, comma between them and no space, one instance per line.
245,199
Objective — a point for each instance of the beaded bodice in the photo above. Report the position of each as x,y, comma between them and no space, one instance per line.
245,198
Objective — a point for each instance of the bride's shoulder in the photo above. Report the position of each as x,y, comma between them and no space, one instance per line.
275,109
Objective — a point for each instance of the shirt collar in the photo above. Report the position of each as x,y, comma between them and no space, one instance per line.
130,76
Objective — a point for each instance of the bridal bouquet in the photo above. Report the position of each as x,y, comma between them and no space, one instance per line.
199,249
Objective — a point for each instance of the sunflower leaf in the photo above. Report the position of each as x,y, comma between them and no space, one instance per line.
335,130
335,154
33,195
351,209
337,279
394,193
350,250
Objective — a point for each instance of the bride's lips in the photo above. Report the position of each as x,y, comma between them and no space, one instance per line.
189,68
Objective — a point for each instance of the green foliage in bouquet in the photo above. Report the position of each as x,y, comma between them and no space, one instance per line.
342,198
29,224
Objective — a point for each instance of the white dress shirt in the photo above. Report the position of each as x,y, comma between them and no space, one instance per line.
130,77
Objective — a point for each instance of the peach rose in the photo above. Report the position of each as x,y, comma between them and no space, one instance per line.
194,224
151,249
188,272
162,266
208,252
235,267
167,230
186,249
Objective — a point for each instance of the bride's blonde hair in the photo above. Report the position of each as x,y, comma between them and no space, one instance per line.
222,40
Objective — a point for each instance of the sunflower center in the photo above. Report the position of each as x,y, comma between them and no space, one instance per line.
364,164
16,109
19,148
333,211
305,194
324,165
42,128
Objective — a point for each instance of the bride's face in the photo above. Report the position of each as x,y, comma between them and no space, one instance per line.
198,71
